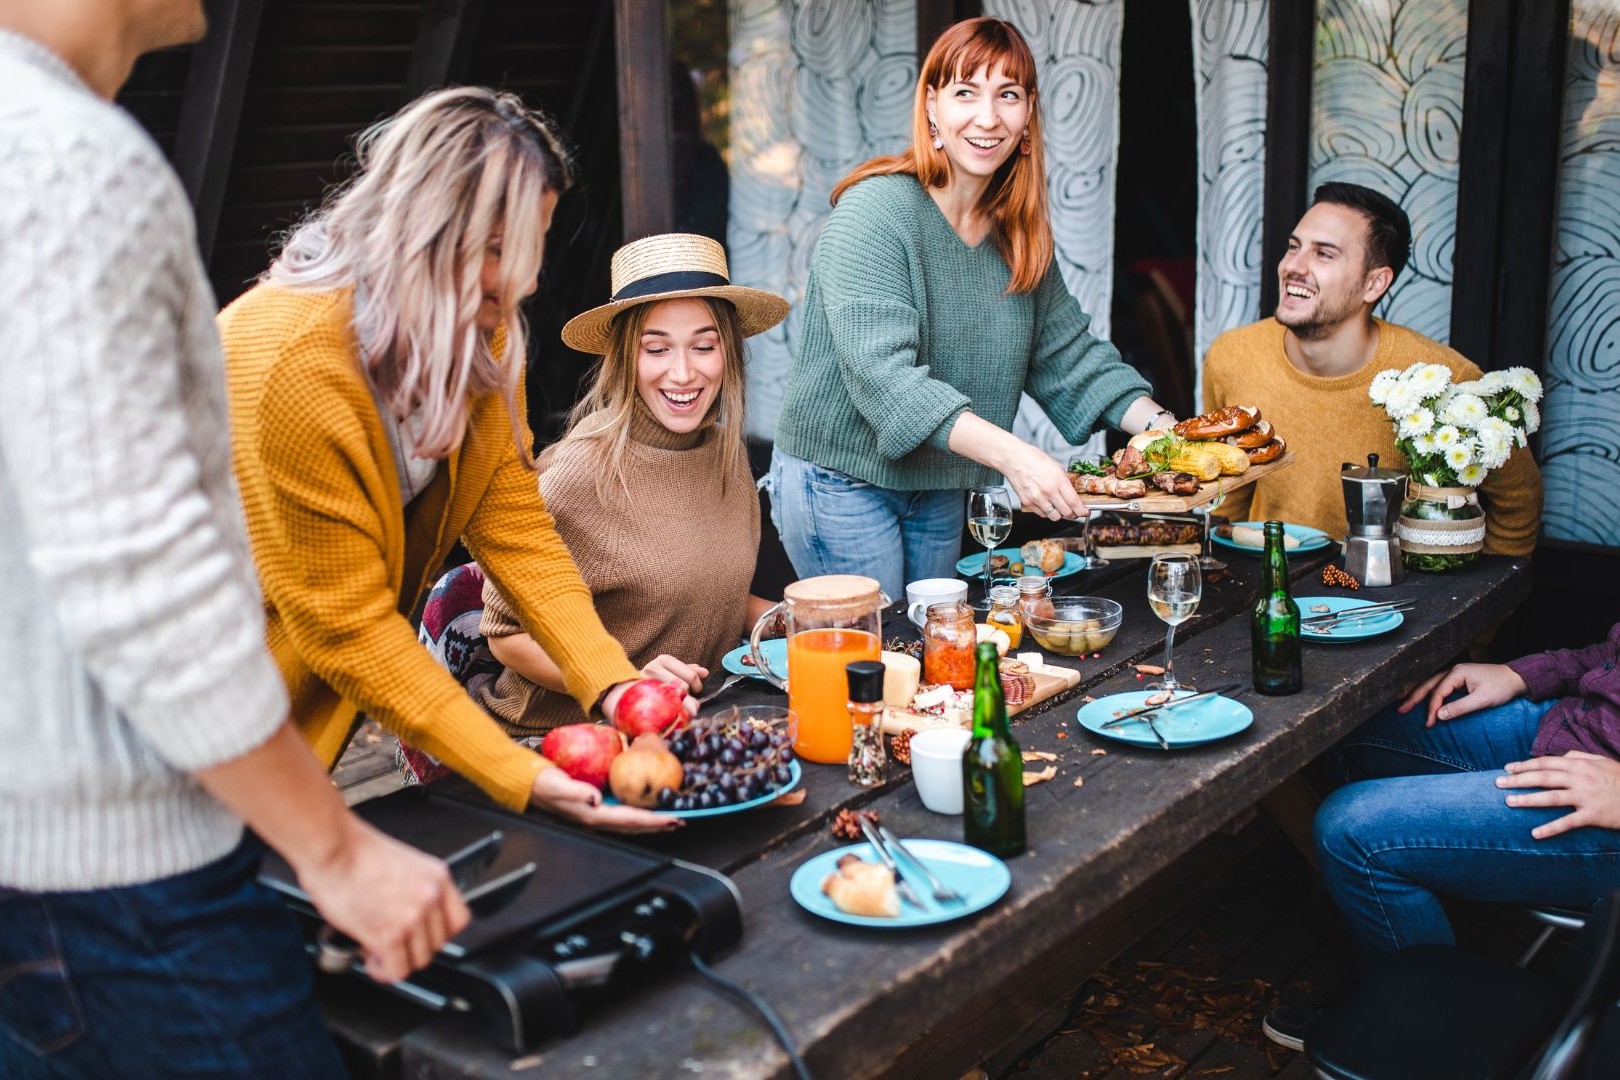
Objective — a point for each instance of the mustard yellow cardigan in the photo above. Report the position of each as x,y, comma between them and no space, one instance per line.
342,566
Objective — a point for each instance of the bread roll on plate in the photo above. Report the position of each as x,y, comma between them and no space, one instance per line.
862,888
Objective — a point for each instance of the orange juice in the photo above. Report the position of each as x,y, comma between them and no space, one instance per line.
818,689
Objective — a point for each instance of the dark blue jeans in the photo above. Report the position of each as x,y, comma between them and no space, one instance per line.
1431,822
197,975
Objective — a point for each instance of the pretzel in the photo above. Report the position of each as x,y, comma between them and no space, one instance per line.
1258,435
1218,424
1271,451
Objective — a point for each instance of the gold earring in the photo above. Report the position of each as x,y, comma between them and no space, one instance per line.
939,143
1023,147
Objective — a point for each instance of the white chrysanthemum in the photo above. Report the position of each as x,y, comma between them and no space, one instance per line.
1471,475
1473,386
1415,422
1430,379
1524,381
1424,444
1382,384
1492,382
1464,410
1402,399
1461,455
1532,418
1447,436
1512,413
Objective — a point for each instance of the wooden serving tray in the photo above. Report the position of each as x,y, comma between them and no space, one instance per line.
1147,551
1049,683
1162,503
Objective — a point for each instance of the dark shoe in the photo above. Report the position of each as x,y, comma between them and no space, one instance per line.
1285,1026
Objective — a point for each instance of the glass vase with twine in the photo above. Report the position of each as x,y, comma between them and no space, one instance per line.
1452,437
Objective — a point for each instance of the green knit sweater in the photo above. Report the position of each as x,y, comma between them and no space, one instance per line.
905,326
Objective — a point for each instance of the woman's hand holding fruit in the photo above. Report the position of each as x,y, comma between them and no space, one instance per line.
573,800
666,668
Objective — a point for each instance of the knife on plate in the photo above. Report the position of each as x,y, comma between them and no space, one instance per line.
901,885
1175,703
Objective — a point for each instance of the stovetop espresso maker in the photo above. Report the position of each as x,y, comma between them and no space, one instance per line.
1372,502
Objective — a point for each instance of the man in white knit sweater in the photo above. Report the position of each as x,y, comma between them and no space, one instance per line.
141,720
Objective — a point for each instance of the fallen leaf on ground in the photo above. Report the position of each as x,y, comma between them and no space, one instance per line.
1098,752
1079,781
792,798
1039,777
1039,755
1150,669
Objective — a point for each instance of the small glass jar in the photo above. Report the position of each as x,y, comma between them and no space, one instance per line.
948,640
868,757
1034,591
1006,614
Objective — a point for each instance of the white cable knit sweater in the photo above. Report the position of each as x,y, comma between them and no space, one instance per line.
131,647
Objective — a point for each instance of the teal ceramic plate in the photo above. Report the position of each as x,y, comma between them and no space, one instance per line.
734,808
1309,539
973,565
980,877
1191,725
775,650
1353,631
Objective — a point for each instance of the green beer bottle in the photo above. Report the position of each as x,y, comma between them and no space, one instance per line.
992,768
1274,623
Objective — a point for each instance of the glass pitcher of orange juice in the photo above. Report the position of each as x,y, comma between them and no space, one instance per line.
831,621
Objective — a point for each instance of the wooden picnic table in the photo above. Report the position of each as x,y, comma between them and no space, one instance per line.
932,1001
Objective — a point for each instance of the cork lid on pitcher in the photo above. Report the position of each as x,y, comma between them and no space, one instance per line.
834,596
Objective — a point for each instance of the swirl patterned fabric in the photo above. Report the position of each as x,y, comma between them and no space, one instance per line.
1580,439
1386,112
1229,57
817,87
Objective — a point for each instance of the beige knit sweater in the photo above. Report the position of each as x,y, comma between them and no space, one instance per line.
668,567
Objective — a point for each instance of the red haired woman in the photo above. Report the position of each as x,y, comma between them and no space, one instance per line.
933,301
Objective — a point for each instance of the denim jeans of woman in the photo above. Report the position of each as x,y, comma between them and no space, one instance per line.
832,523
198,975
1424,819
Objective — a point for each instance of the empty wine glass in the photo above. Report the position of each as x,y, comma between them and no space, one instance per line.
989,517
1207,561
1175,586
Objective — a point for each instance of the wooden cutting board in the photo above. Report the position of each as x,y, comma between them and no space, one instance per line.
1146,551
1049,682
1159,502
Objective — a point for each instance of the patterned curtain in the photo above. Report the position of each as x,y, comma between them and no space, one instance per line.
1229,55
1580,439
817,87
1386,112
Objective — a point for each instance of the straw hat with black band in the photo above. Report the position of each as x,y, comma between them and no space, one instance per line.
671,266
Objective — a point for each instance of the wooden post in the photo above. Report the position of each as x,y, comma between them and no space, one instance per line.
646,173
443,42
210,109
1289,58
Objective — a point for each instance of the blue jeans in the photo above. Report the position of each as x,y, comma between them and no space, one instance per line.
832,523
199,974
1434,823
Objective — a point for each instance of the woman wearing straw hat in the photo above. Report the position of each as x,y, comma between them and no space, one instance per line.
374,377
933,302
650,485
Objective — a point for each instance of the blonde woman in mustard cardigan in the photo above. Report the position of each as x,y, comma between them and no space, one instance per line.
375,378
650,485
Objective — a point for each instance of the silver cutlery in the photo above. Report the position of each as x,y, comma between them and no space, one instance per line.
1371,611
731,681
942,892
1164,744
1175,703
901,886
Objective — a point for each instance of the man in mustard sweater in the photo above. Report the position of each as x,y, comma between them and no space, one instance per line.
1308,369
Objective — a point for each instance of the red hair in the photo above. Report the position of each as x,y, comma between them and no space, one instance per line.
1015,201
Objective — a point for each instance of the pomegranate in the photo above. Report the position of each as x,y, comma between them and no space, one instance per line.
583,751
650,707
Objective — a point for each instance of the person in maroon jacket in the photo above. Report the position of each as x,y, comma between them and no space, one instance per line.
1503,787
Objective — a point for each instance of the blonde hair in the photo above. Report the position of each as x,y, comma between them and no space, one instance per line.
436,183
603,415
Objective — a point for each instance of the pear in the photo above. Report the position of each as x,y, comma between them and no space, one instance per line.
641,772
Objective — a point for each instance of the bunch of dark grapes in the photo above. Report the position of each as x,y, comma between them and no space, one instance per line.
727,762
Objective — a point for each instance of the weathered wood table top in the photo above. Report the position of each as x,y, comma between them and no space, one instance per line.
865,1002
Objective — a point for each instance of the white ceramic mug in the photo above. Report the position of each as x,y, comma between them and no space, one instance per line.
920,595
936,766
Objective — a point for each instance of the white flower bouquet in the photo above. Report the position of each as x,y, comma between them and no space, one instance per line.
1452,436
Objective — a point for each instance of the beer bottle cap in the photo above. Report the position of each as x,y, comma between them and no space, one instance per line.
865,681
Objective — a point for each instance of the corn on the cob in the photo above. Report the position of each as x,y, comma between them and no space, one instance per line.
1234,461
1202,462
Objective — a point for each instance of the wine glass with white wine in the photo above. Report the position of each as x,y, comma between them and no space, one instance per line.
989,516
1175,585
